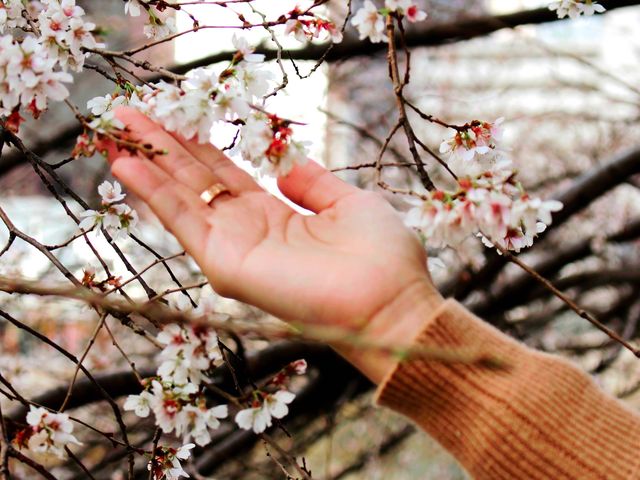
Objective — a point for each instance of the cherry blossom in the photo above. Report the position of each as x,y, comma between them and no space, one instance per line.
370,23
175,396
166,463
117,219
299,367
99,105
111,192
133,8
407,8
267,142
488,201
256,418
65,33
198,420
476,138
157,28
49,433
84,146
106,122
370,20
11,15
575,8
188,352
205,97
139,404
308,26
27,76
178,408
259,417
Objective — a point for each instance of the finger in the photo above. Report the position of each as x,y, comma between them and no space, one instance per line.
179,209
313,187
177,162
223,168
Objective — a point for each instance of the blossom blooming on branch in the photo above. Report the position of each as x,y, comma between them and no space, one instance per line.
477,138
268,137
266,406
48,433
28,76
178,408
575,8
158,26
369,20
188,352
176,396
11,15
488,201
100,105
259,416
65,33
370,23
33,68
117,219
308,26
166,463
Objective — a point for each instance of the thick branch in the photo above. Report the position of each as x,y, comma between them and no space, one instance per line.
428,35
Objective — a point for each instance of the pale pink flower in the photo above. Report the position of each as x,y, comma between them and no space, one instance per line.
370,23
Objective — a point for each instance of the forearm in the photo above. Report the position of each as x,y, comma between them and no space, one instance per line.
538,417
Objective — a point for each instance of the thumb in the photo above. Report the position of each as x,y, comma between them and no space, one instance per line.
314,187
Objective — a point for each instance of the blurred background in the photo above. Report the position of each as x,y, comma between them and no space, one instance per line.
570,95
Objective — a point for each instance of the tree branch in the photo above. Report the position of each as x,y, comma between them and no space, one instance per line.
427,36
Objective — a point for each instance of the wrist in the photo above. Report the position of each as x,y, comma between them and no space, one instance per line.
394,328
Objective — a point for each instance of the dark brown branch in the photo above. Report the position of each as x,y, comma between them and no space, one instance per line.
428,35
105,395
31,463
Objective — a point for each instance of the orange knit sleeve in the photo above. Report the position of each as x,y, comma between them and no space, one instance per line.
538,418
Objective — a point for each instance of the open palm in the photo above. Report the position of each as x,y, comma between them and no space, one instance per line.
344,265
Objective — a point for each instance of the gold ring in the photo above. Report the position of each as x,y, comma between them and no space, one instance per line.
213,192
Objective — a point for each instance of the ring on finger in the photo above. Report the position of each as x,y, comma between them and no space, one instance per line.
213,192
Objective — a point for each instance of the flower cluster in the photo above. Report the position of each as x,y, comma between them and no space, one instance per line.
28,76
477,138
166,462
206,97
11,15
575,8
307,26
48,433
267,142
488,200
177,396
158,25
116,218
265,406
65,33
34,67
370,20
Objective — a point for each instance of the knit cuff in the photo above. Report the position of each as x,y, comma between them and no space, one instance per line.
535,417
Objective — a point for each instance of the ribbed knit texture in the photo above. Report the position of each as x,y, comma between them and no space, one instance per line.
539,418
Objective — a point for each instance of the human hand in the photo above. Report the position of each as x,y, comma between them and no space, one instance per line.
352,265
